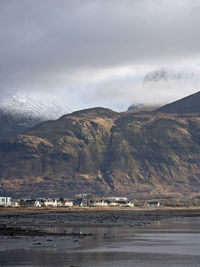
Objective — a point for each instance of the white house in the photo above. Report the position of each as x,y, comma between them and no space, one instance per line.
5,201
15,203
113,204
130,204
100,203
38,203
119,201
117,198
51,202
153,204
68,203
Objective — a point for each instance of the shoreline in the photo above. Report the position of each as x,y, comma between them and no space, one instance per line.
33,221
69,217
193,210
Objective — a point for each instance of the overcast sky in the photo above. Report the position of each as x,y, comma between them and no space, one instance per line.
96,52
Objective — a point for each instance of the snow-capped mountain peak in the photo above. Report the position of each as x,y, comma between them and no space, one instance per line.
18,112
43,108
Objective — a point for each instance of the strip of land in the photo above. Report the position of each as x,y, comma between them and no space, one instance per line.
177,211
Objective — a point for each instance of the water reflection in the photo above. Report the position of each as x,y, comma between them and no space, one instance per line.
167,243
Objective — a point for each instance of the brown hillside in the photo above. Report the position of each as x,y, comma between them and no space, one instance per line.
104,152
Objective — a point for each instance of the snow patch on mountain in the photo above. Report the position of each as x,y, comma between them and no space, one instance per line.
36,107
19,112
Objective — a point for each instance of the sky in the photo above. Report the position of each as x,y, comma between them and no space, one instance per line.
87,53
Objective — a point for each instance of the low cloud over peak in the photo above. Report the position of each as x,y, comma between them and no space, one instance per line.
95,52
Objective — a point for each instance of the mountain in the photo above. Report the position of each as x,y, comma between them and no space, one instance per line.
135,106
20,112
142,108
189,104
11,124
100,151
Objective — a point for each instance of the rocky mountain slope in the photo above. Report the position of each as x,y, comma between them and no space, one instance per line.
20,112
147,154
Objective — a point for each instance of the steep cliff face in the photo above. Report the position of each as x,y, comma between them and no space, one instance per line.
104,152
57,157
155,155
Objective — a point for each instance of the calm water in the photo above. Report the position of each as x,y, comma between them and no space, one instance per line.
169,243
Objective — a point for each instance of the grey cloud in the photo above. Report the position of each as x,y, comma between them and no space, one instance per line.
41,39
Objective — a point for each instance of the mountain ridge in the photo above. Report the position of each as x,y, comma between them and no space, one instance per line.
99,151
188,104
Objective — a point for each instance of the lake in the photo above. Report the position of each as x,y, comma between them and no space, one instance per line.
170,242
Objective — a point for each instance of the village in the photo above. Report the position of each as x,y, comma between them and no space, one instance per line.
80,200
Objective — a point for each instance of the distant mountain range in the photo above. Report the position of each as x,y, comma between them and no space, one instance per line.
19,112
142,155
